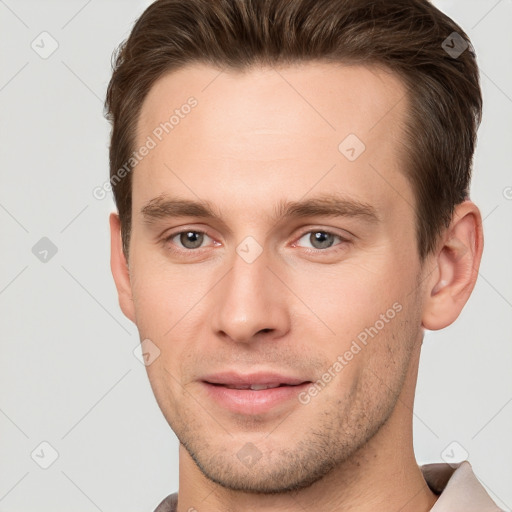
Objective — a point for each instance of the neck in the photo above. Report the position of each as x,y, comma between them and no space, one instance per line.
382,475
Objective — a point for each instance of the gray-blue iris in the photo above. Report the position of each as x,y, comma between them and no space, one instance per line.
323,239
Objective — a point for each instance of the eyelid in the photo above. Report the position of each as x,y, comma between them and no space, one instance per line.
167,239
346,235
344,239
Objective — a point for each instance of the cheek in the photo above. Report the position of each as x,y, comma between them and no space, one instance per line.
351,297
375,367
162,294
161,308
171,301
155,307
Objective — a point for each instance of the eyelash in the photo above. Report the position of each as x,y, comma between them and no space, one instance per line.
343,240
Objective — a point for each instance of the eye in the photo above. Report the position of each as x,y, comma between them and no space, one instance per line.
320,239
188,239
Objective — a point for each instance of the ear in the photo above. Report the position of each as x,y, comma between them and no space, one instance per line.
457,260
119,267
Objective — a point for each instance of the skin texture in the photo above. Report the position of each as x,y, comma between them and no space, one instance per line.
254,140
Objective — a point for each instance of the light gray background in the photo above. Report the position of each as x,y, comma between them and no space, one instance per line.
68,374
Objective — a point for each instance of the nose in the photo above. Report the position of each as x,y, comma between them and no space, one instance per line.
251,303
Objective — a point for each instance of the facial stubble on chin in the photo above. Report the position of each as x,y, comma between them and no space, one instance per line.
334,442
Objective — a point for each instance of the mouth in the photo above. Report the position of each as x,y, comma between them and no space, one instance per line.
254,387
251,398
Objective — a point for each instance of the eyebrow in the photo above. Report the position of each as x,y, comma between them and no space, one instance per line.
325,205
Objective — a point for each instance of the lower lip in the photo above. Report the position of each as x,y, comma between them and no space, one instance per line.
248,401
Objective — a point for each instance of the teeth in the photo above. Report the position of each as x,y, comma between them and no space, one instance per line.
254,387
257,387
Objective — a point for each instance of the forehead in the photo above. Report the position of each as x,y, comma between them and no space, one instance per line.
326,97
254,131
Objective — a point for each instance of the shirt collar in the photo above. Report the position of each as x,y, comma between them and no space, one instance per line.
458,487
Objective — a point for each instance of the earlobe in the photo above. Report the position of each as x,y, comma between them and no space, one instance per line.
457,262
119,267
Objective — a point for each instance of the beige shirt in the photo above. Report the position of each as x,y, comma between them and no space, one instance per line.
459,490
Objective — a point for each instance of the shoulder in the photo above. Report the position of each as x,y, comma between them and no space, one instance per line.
168,504
458,488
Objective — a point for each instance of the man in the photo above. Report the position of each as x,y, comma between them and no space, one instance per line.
292,185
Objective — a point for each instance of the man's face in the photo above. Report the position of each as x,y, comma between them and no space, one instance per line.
252,292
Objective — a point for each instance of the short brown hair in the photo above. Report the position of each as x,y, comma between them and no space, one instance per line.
410,37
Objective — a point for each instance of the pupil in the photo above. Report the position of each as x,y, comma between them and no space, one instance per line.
322,239
191,239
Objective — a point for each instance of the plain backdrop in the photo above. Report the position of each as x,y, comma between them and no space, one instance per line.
69,377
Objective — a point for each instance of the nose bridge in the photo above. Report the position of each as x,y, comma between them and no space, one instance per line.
247,300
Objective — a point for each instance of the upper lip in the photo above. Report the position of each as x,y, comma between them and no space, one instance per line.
238,379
